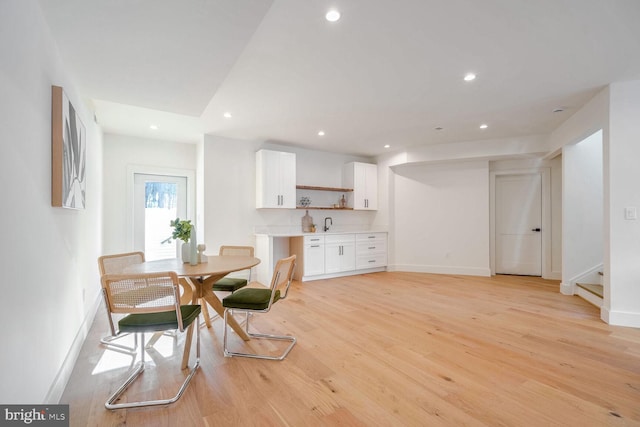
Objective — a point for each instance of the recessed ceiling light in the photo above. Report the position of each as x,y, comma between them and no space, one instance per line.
332,16
321,133
387,146
227,115
469,77
153,127
484,126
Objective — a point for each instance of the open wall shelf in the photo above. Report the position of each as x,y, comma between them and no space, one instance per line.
311,187
328,199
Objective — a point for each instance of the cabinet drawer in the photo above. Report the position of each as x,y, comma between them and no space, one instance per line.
313,240
339,238
372,247
371,236
371,261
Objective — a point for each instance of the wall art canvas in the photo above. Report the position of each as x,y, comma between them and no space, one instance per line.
68,153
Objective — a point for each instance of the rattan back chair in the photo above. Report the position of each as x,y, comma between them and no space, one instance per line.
150,303
253,300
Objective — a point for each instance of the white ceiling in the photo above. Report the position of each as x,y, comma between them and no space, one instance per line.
388,72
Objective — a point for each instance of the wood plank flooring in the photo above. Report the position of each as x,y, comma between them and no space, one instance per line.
391,349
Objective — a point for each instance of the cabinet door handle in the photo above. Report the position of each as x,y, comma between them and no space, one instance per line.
371,237
372,247
372,260
315,246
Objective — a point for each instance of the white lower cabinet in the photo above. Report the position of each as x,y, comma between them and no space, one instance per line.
371,250
313,255
322,256
339,253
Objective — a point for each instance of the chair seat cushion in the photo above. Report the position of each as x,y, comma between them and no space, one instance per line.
163,321
229,284
250,298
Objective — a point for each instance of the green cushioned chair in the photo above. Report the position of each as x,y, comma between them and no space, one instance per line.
150,303
232,282
260,300
229,283
115,264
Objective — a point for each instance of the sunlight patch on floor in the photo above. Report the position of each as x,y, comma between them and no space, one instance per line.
114,358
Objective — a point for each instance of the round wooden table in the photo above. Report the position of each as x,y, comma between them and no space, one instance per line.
200,279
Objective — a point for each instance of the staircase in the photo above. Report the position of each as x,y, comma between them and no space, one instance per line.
592,292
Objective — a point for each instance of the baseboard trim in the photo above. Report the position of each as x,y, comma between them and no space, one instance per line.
342,274
567,288
442,269
589,297
620,318
62,377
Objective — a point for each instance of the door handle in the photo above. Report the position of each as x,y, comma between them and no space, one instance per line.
537,230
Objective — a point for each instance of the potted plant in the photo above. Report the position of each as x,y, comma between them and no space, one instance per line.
181,231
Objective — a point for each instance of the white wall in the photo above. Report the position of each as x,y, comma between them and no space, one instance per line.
556,217
582,225
123,152
50,284
441,218
230,215
622,255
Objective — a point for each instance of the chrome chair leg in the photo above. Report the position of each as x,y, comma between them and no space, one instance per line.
136,373
229,353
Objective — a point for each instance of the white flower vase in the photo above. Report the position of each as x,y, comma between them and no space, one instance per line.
186,252
193,248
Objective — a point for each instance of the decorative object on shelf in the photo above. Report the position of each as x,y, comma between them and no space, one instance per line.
343,202
305,201
307,223
182,231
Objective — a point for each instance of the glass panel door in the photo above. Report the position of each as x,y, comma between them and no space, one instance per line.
158,199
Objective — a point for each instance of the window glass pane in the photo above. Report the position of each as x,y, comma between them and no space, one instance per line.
160,208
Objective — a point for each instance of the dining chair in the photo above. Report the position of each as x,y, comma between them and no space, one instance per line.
115,264
253,300
128,295
232,282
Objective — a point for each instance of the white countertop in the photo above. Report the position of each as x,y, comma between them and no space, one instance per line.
321,233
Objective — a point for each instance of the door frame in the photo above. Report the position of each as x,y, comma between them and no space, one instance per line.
545,175
132,170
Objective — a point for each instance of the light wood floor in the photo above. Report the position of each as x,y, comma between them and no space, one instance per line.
393,349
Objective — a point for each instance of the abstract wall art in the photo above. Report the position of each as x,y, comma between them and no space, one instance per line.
68,153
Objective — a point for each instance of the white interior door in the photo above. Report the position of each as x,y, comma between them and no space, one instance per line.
518,224
157,199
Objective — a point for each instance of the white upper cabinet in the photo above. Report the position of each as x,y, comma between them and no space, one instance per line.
275,179
363,178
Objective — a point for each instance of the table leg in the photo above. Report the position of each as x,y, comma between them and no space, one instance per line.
214,302
187,346
205,314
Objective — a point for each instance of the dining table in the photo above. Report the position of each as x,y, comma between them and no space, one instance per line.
197,281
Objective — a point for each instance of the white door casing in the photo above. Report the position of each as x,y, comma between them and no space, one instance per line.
133,242
151,225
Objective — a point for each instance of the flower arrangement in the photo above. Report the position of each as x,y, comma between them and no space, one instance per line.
181,230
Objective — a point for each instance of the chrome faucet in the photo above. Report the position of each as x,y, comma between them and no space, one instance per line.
326,227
